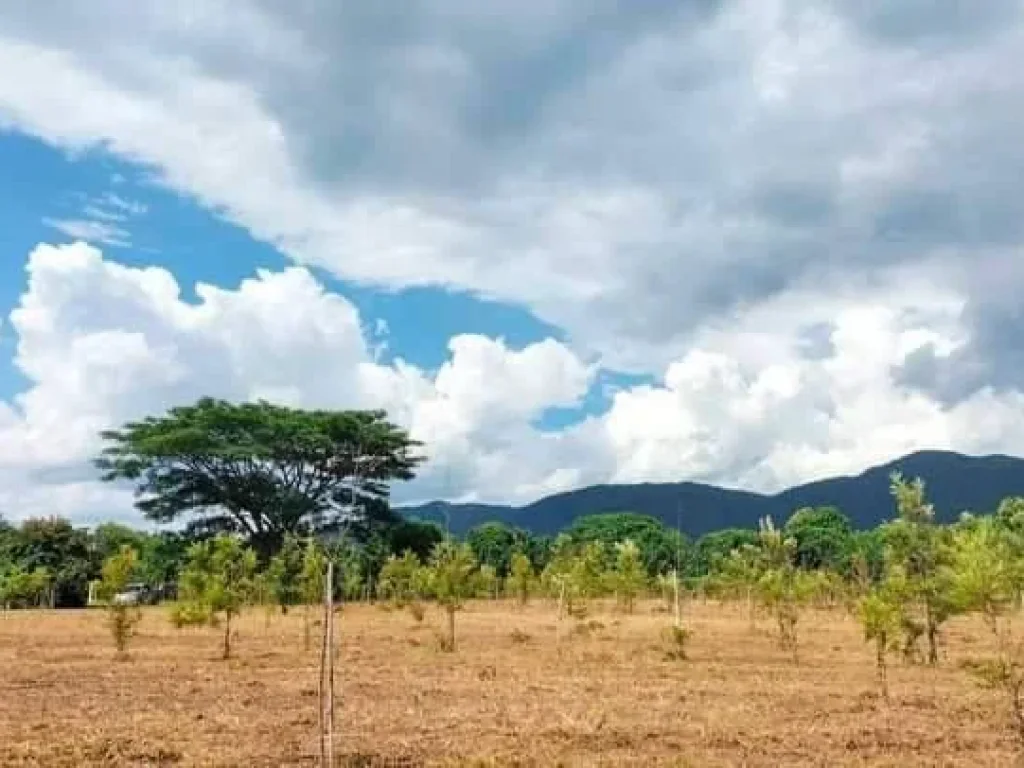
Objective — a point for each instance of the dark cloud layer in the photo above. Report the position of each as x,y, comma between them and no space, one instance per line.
661,164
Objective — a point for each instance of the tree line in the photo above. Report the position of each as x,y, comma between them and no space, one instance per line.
903,580
50,562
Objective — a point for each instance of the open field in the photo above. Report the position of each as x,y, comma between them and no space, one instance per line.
607,697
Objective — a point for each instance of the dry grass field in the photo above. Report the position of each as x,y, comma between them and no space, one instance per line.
520,690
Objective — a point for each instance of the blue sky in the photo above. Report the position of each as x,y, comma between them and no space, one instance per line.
562,243
48,186
45,183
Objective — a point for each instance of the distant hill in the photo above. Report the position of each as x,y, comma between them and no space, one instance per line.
955,483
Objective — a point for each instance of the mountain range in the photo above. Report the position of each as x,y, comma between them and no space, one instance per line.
954,483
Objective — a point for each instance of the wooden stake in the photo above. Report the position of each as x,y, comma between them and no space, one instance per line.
329,621
678,606
326,681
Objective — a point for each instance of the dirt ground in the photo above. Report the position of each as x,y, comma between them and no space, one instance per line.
522,689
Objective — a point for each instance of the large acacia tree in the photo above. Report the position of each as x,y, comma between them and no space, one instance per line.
259,469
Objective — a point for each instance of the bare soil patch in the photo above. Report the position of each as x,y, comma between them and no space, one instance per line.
520,690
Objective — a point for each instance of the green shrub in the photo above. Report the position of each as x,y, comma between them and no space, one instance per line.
121,616
218,579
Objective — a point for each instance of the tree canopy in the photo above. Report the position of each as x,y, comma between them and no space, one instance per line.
714,547
259,469
823,536
660,547
65,552
493,544
418,537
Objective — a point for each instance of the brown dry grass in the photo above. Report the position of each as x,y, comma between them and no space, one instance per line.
519,691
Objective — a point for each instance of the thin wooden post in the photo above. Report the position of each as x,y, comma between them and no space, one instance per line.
320,699
678,606
329,605
326,681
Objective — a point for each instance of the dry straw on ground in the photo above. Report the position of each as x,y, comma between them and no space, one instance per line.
609,696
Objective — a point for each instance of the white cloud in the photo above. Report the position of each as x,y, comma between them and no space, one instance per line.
800,216
103,220
86,502
104,343
659,166
93,230
123,205
747,407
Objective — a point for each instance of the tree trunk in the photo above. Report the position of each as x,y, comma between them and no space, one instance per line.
451,627
227,636
677,606
883,678
933,634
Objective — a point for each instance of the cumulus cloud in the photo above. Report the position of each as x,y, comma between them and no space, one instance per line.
800,216
749,407
104,343
661,166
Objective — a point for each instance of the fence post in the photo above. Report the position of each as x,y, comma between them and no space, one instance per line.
678,608
326,682
329,603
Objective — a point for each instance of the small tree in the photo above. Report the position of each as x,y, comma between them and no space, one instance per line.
404,581
829,589
350,568
880,613
629,577
556,576
216,582
574,574
668,587
860,575
521,577
122,616
352,582
264,595
587,574
987,576
398,579
284,573
312,583
452,566
916,548
20,588
488,583
739,574
678,635
1009,519
782,587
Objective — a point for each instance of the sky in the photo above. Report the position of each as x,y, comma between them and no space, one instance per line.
743,242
